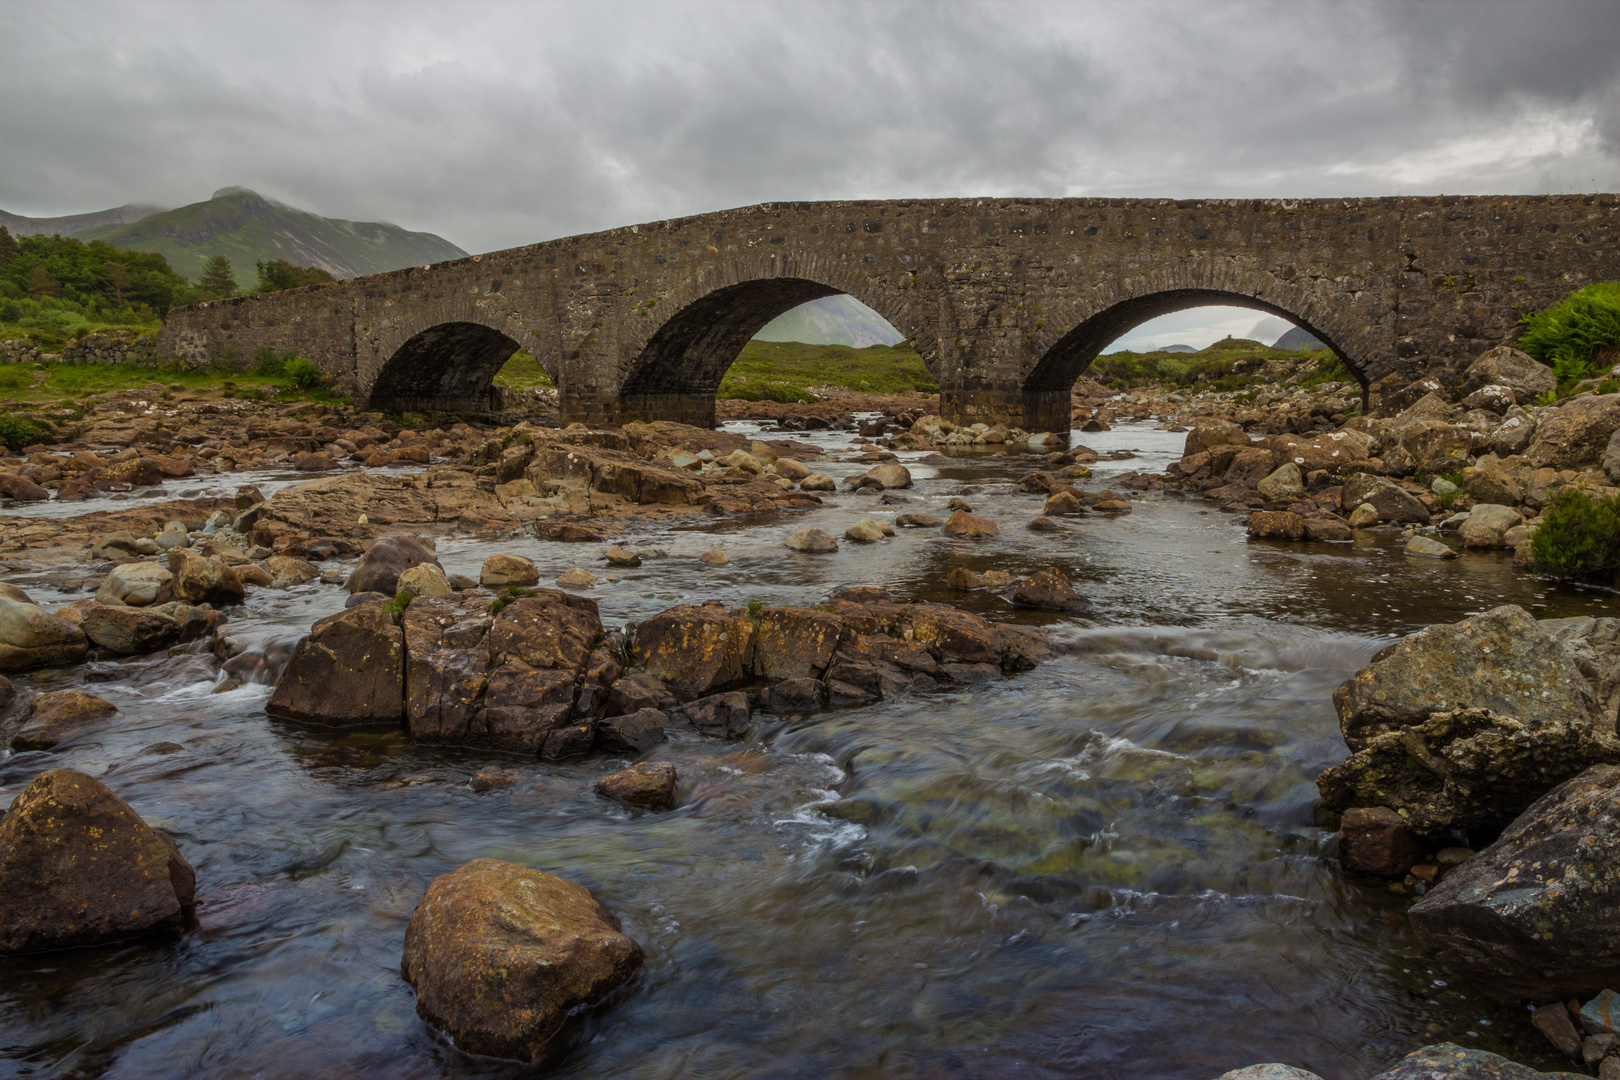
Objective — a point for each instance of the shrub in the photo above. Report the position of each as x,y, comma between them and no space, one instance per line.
304,374
17,432
754,607
398,604
1579,538
1569,335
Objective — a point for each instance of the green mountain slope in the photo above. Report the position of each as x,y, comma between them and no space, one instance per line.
246,227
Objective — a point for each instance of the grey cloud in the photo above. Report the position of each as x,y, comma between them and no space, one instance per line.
498,124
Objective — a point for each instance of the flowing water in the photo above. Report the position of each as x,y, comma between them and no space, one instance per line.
1110,866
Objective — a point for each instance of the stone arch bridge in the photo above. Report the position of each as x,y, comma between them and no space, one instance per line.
1007,300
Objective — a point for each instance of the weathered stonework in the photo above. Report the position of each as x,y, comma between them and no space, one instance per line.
1007,300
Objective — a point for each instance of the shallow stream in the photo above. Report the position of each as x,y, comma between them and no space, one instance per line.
1106,867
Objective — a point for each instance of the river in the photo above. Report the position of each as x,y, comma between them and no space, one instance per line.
1109,866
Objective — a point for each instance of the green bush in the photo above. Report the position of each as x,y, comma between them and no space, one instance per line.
398,604
1569,335
1579,538
304,374
17,432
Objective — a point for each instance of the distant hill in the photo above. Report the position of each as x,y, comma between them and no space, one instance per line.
75,223
246,228
1298,338
832,320
1176,348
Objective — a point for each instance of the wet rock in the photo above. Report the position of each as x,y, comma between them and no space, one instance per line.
1390,500
1554,1022
248,496
1376,840
639,690
696,649
619,556
633,733
491,778
970,526
577,578
723,716
253,574
1502,660
1448,1061
426,581
647,785
1044,524
32,637
8,693
864,531
1601,1015
349,671
794,643
714,558
502,570
79,867
137,584
286,571
173,536
1111,506
889,476
818,481
1506,366
1063,503
1283,483
1327,530
379,568
1469,768
568,743
1488,524
792,468
503,958
1049,590
1270,1071
129,630
1364,516
1276,525
918,521
57,716
960,577
21,489
1532,917
794,696
1206,434
1429,548
204,581
812,541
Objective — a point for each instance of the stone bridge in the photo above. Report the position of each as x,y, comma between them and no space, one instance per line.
1007,300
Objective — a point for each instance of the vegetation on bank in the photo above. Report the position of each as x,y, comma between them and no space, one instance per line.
523,372
283,376
1229,364
790,370
1579,538
1578,337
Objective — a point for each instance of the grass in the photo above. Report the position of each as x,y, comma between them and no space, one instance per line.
42,383
523,372
1229,364
1569,335
786,370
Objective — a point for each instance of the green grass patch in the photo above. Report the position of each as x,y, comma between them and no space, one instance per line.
17,432
1229,364
785,371
74,382
523,372
1579,538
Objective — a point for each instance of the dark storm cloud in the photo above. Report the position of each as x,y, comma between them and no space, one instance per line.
497,125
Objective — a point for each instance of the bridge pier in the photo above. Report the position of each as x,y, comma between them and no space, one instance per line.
1032,410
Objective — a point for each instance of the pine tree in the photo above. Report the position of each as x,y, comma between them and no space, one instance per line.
217,278
8,246
43,283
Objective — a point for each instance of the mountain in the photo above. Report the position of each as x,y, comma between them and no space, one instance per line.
1176,348
246,228
76,223
1298,338
832,320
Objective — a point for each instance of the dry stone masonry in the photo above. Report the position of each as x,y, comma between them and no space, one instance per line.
1007,300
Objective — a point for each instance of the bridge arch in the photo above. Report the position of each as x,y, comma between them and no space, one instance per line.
1097,320
674,370
449,366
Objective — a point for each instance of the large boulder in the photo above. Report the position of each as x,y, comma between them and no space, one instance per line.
1514,433
1502,661
969,526
1488,524
1506,366
696,649
1284,482
129,630
79,867
32,637
504,958
57,716
504,570
886,476
1332,451
1574,433
1448,1061
794,643
1049,590
647,785
199,580
1389,500
138,584
1533,916
379,568
349,671
1467,768
1211,433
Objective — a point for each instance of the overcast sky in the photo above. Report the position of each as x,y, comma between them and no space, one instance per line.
497,124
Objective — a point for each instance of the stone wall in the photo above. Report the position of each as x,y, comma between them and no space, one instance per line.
1007,300
105,348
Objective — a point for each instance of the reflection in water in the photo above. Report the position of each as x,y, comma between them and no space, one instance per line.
1108,866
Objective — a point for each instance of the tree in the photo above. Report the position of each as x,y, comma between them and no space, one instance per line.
118,281
218,279
43,283
278,274
8,246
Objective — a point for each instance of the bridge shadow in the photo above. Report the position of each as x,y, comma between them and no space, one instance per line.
447,367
